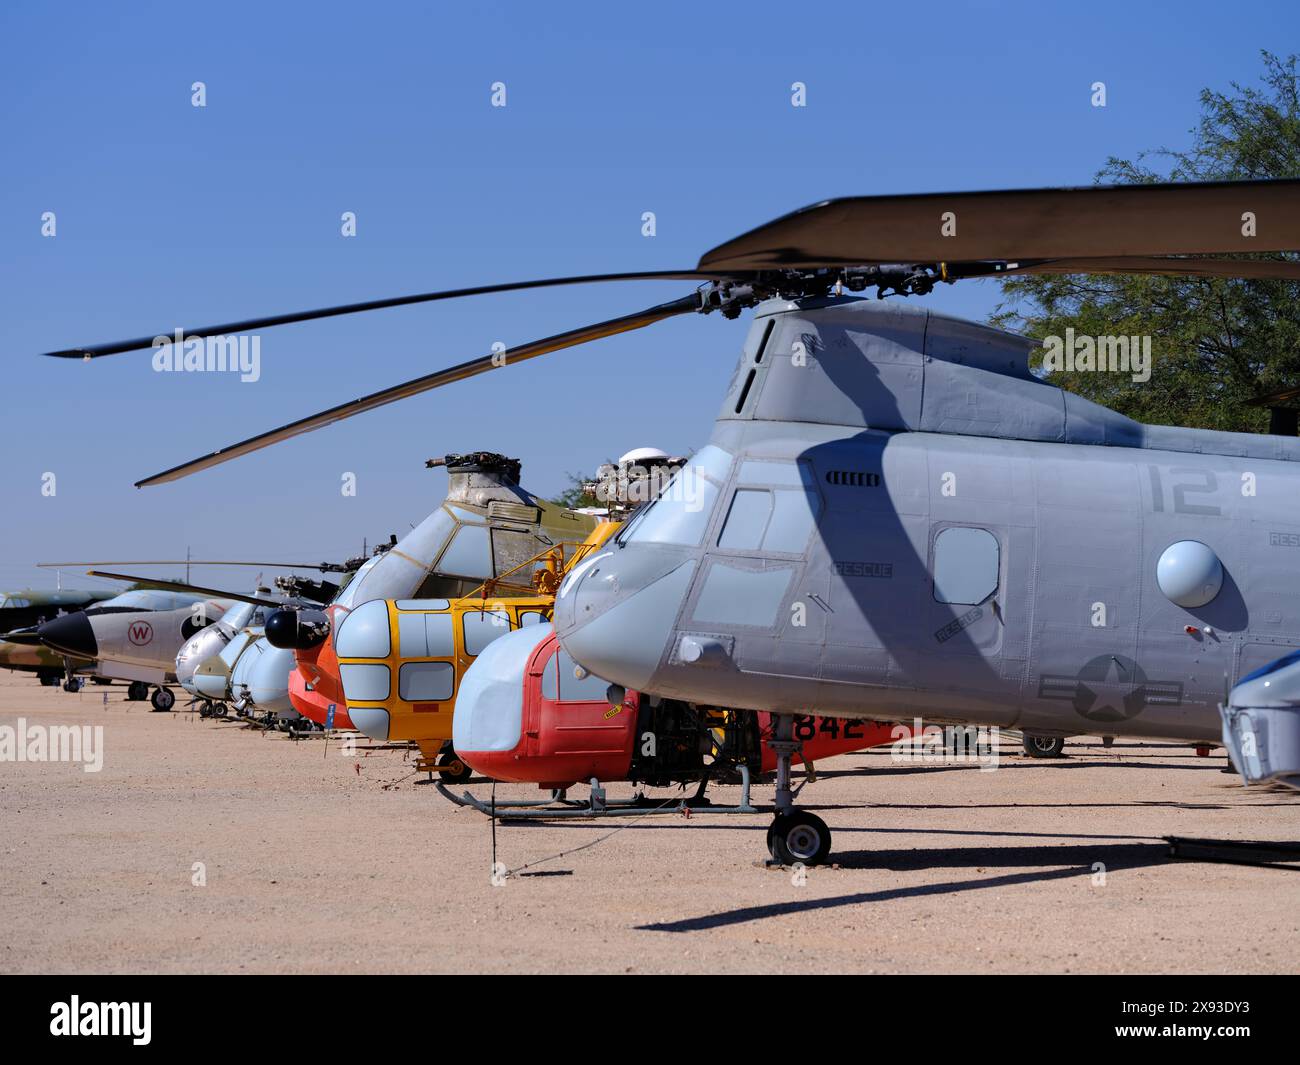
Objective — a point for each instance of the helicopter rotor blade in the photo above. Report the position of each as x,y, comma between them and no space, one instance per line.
465,370
1093,222
323,566
1276,269
185,586
95,351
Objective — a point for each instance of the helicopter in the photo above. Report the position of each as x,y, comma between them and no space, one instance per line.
894,514
486,525
530,716
402,663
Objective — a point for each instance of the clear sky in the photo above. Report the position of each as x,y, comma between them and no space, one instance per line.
172,215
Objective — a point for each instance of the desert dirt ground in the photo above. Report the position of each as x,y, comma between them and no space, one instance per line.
321,859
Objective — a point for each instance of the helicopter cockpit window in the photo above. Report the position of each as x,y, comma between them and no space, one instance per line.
560,668
778,519
469,554
681,514
965,566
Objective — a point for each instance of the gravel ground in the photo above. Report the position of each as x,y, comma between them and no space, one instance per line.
321,859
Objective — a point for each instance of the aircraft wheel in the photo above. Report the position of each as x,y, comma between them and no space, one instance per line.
163,699
205,708
799,838
137,691
48,680
72,684
458,773
221,710
1044,746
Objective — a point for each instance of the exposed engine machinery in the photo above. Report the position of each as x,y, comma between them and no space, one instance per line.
638,477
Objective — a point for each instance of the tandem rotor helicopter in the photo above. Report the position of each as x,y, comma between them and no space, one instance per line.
895,517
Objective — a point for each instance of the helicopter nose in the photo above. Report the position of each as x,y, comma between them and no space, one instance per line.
196,651
71,634
211,680
616,619
297,630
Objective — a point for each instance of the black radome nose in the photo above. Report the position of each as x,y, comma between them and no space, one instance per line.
297,630
71,634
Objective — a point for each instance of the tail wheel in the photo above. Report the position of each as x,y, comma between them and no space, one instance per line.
1044,746
799,838
456,772
163,699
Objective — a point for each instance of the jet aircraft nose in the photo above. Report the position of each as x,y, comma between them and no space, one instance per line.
71,634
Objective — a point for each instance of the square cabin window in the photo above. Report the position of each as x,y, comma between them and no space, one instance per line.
426,681
482,627
965,566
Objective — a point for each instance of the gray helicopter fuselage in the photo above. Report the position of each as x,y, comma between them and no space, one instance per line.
894,517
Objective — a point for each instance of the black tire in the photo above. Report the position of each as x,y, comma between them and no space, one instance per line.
205,709
72,684
162,699
1044,746
458,772
799,838
137,691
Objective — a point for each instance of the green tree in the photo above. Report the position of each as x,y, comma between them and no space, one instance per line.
1216,342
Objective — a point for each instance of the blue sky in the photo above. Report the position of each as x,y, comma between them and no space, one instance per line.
170,215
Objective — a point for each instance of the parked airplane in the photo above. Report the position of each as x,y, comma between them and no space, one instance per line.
133,636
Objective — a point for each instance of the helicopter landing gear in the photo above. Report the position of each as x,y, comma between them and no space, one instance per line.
137,691
795,836
1044,746
163,699
452,769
